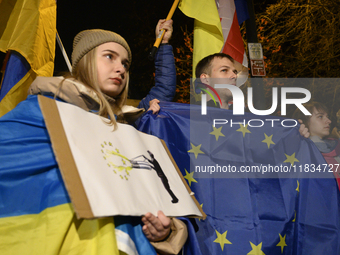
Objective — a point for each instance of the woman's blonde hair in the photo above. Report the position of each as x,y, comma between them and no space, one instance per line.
86,72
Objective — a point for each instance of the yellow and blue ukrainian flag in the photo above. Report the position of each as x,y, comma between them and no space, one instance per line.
36,214
27,35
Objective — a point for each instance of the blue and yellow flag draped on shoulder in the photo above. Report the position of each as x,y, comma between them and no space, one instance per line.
27,35
288,213
36,215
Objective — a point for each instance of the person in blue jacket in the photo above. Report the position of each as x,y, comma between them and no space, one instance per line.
165,70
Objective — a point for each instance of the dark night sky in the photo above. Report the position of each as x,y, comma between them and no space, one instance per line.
131,19
134,20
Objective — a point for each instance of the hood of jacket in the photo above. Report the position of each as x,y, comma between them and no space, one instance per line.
74,92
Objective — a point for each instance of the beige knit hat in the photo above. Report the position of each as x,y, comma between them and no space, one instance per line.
87,40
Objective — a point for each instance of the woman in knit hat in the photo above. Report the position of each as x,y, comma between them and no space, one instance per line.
100,75
99,83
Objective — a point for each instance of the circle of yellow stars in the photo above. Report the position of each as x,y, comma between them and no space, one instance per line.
124,169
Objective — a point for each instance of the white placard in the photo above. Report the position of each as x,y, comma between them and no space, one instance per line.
117,170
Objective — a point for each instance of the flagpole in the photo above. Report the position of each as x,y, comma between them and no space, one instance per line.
162,32
64,53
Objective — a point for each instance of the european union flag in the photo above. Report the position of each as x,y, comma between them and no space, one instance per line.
265,188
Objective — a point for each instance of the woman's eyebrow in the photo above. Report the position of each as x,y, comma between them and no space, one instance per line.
111,51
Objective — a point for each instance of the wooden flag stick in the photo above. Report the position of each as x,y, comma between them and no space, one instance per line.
162,32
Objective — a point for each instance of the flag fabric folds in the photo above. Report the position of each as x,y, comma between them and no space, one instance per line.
14,62
27,32
216,28
233,43
279,213
36,215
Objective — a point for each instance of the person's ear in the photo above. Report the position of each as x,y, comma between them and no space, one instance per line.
204,78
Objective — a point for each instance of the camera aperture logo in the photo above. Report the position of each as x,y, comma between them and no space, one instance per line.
209,93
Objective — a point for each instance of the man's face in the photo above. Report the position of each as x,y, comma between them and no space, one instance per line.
223,68
223,71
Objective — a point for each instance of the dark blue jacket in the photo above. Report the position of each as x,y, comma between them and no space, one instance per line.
165,77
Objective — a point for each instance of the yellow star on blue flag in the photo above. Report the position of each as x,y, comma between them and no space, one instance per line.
243,129
196,149
291,159
222,239
282,242
189,177
268,140
256,249
217,132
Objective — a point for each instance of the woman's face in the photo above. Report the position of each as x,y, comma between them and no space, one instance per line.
112,67
319,123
